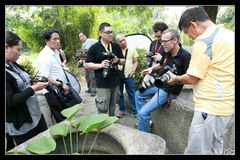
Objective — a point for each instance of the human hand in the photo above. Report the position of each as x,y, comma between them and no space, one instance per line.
157,57
146,71
131,74
39,86
172,79
116,60
65,87
105,63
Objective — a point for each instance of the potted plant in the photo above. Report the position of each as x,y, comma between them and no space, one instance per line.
82,125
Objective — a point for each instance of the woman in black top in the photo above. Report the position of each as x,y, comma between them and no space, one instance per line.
24,119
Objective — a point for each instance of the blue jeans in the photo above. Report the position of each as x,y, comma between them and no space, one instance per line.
144,109
130,88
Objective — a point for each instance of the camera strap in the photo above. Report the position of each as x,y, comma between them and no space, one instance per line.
106,48
66,75
125,56
168,103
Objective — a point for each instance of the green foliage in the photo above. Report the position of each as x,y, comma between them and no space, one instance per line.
59,129
89,123
69,113
227,17
29,23
41,145
86,124
26,63
142,64
185,39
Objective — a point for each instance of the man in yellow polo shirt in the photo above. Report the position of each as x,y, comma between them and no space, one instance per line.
131,58
211,71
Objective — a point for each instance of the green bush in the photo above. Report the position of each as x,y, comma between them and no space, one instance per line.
142,64
28,66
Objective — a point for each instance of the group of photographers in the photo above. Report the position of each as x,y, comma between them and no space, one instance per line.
169,68
173,66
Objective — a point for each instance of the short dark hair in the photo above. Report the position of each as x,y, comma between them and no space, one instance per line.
83,33
11,39
103,25
159,26
192,14
48,34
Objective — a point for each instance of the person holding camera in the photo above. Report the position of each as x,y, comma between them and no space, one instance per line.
156,45
174,58
128,69
89,75
50,66
103,57
211,71
24,119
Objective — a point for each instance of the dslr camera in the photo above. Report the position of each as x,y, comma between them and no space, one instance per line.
147,82
149,55
109,56
157,79
50,87
162,80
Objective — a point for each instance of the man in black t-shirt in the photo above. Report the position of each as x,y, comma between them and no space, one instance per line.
156,45
174,55
103,57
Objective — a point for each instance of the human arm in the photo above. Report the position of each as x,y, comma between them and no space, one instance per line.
151,69
14,96
95,66
183,79
134,67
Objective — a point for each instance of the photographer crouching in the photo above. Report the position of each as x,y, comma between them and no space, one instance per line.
103,57
174,59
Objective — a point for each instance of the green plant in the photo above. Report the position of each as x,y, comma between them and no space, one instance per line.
28,66
142,64
84,125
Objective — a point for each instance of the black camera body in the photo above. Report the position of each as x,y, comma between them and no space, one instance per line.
149,55
156,78
109,56
162,80
147,82
49,87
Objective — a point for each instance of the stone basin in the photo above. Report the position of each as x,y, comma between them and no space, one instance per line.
115,139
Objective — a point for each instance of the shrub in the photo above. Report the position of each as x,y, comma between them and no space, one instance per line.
28,66
142,64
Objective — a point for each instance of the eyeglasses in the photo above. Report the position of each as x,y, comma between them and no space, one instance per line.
108,32
165,41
